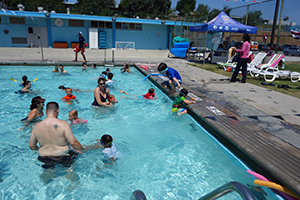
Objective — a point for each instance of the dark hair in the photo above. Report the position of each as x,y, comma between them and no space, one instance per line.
34,102
101,79
246,37
221,46
104,72
106,139
183,92
26,83
60,65
110,75
151,90
126,66
94,65
24,79
52,106
162,66
107,69
61,87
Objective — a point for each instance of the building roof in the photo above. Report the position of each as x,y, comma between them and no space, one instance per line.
33,15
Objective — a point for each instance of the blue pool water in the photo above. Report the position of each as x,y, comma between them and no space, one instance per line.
164,155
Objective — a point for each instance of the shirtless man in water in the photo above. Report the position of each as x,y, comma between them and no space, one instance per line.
53,136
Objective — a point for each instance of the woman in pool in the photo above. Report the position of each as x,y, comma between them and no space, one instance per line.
36,109
125,68
101,93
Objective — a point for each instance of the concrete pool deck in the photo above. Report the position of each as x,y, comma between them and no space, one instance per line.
263,123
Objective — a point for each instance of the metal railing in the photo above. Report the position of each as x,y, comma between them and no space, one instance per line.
242,190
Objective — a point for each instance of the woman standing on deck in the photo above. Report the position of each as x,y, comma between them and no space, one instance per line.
243,59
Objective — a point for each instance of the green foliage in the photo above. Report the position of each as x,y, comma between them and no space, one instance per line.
184,7
32,5
254,17
145,8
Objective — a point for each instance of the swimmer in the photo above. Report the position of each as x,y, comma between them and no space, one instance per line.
24,80
109,81
111,99
74,119
56,69
93,66
36,109
61,67
179,100
150,95
125,68
54,137
103,75
26,88
100,94
84,67
69,97
108,70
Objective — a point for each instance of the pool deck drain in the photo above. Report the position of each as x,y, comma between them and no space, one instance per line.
277,160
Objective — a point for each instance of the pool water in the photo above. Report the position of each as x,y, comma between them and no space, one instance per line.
164,155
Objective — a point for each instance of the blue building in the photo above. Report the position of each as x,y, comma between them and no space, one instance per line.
33,29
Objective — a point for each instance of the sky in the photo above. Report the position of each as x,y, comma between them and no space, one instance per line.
290,7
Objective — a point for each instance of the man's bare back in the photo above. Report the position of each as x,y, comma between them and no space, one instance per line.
53,136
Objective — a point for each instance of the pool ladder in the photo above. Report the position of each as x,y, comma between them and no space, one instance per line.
112,63
242,190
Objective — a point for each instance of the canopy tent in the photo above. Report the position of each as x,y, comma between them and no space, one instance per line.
223,23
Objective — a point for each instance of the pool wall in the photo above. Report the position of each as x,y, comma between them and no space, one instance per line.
223,136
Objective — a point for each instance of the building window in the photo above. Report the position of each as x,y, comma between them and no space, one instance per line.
18,40
131,26
138,27
16,20
77,23
100,24
124,26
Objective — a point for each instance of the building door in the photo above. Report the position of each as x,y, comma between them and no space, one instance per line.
33,37
93,38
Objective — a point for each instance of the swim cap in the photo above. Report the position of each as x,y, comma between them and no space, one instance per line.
79,33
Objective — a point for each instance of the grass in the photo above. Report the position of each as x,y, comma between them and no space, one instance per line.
293,91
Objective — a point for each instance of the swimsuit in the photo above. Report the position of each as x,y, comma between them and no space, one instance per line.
65,160
102,99
177,103
77,121
67,98
148,96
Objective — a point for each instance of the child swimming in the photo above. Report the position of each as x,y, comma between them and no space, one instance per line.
150,95
74,119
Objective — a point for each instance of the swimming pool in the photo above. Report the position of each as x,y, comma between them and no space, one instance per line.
164,155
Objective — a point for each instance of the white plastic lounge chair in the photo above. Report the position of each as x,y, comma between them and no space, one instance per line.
295,76
271,73
256,61
274,61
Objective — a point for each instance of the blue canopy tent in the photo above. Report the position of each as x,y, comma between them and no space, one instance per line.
223,23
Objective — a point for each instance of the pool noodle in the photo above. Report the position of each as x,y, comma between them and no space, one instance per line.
261,177
152,75
277,187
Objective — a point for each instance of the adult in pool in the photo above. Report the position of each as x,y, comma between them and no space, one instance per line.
53,136
36,109
26,88
101,93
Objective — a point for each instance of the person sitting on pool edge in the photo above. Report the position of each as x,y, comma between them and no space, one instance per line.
174,77
150,95
101,93
179,100
54,137
69,97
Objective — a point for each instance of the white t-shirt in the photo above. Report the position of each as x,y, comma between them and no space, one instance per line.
111,152
109,83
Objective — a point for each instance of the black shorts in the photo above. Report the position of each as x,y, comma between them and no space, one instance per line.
65,160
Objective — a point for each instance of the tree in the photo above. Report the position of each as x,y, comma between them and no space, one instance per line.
254,17
185,7
145,8
95,7
202,10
